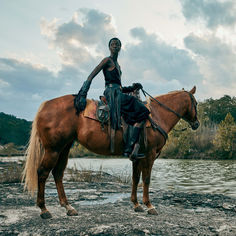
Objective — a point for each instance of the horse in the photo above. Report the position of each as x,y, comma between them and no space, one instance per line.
56,126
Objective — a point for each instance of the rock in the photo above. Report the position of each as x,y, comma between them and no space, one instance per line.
228,206
99,230
223,228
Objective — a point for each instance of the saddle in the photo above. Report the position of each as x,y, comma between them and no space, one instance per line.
99,111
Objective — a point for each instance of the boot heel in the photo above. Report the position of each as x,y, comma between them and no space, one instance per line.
135,155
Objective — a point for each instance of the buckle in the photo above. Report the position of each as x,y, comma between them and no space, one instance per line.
113,86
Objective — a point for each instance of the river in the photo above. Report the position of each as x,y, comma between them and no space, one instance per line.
199,176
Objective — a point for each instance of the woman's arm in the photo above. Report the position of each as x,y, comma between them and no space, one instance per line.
98,68
80,99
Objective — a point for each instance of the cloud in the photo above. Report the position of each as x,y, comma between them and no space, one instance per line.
80,43
23,86
213,12
158,63
26,77
216,61
83,40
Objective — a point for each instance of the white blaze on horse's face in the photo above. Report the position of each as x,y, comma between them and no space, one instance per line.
191,116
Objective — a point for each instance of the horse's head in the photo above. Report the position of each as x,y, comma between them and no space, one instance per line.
191,114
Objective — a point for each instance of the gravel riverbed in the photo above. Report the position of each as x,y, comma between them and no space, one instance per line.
105,209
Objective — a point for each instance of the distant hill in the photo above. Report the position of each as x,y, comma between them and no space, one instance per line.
14,130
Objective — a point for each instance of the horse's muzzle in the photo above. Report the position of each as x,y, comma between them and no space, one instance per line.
195,124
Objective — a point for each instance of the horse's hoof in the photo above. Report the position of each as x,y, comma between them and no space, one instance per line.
152,211
72,212
46,215
138,209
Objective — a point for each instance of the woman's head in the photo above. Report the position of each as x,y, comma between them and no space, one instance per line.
114,39
114,45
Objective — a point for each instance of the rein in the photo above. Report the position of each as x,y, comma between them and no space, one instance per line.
169,109
161,104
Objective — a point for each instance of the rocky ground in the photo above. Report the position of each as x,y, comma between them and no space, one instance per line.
105,209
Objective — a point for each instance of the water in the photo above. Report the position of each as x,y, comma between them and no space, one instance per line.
199,176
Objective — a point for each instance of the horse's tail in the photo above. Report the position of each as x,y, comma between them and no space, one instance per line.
34,155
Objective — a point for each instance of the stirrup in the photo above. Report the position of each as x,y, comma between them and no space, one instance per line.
135,155
138,157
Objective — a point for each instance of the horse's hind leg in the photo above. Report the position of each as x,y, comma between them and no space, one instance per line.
49,160
135,181
58,173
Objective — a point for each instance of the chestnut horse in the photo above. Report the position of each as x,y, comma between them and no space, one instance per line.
57,125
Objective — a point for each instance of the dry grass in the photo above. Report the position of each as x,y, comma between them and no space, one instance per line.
11,149
11,172
84,175
90,175
123,177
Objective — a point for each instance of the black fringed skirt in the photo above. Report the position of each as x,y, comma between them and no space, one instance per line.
133,110
130,108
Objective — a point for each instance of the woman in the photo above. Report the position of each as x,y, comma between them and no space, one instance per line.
131,109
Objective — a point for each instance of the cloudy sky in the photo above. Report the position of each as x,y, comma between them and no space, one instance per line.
48,48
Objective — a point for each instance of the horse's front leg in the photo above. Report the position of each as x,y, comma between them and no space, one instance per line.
135,181
146,176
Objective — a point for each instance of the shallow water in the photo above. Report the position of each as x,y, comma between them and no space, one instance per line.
199,176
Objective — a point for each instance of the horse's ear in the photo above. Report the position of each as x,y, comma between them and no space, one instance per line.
193,90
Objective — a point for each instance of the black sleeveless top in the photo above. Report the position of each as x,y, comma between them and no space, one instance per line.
112,77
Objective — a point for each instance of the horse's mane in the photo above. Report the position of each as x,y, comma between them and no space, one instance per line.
162,95
175,91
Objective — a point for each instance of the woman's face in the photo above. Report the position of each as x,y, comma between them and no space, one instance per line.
115,46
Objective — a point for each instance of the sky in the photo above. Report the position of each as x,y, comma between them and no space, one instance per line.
48,48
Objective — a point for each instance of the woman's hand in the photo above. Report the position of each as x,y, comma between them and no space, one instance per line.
129,89
80,99
137,86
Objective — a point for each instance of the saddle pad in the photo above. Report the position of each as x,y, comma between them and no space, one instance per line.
91,108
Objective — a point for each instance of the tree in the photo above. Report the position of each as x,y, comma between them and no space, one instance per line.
224,141
14,130
215,110
179,142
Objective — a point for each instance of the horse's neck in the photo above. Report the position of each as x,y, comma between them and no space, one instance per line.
166,119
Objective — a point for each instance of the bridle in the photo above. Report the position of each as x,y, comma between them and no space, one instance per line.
193,105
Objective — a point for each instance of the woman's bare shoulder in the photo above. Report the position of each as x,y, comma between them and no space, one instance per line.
106,59
106,62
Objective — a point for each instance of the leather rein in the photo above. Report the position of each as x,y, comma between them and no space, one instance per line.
193,106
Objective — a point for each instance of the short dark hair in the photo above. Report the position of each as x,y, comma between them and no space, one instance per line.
113,39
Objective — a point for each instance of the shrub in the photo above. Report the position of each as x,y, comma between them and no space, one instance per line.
224,141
